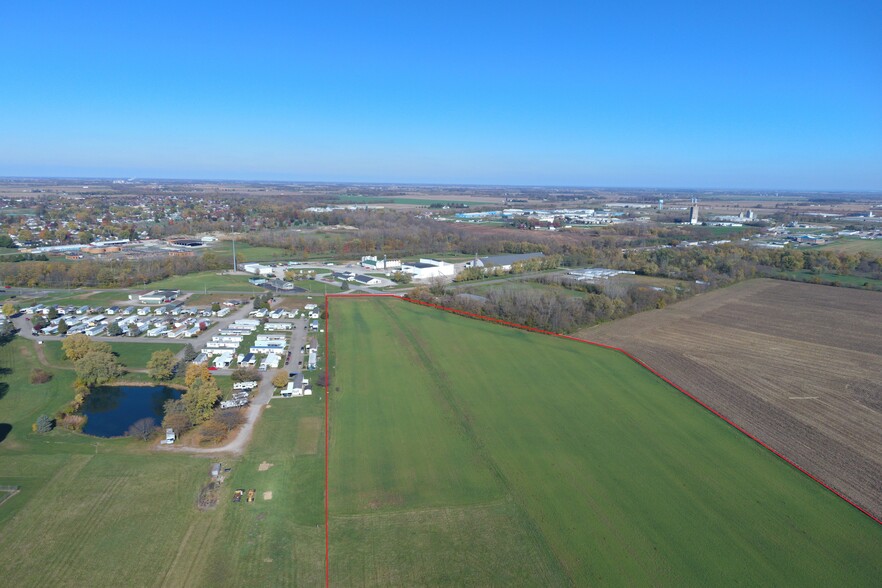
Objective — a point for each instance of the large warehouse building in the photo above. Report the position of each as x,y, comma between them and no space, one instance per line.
425,269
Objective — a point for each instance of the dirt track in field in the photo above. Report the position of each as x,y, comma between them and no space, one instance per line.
797,365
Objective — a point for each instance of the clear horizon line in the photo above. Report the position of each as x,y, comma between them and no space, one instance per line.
439,184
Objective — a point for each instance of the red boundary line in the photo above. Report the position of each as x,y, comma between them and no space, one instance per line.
327,447
571,338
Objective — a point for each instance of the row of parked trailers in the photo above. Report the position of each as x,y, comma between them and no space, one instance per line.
133,326
240,398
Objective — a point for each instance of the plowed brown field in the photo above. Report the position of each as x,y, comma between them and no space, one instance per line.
797,365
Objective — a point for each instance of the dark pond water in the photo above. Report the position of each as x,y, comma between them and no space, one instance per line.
113,409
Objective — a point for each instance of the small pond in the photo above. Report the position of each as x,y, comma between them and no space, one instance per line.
113,409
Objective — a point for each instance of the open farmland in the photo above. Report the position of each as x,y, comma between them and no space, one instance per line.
464,453
797,365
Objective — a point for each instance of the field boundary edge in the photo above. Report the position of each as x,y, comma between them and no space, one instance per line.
627,354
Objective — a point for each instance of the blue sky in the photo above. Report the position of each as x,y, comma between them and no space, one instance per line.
671,94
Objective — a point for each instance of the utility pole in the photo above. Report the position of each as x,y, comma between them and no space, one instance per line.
235,267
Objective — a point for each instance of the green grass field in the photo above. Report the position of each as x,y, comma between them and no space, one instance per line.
847,245
91,297
209,281
316,287
825,278
246,252
464,453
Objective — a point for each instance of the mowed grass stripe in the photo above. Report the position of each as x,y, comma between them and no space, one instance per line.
277,542
628,480
404,453
413,502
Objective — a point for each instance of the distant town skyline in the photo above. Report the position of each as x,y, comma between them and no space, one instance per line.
781,96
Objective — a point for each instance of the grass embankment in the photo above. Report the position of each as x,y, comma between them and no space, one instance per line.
466,453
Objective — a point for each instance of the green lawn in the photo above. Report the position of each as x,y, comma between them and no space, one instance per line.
847,245
464,453
87,296
317,287
134,355
281,541
246,252
209,281
833,279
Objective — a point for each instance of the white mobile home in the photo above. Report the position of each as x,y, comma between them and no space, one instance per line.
290,391
97,330
223,361
271,362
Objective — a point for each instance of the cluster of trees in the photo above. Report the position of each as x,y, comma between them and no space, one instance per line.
400,233
280,379
197,404
727,263
94,362
552,308
246,375
220,424
401,277
162,366
548,310
103,273
262,301
44,424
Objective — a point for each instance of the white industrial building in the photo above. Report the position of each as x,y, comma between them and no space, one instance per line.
159,296
426,269
367,280
503,262
258,268
371,262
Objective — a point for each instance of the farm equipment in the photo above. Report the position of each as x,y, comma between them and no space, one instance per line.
237,495
251,494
